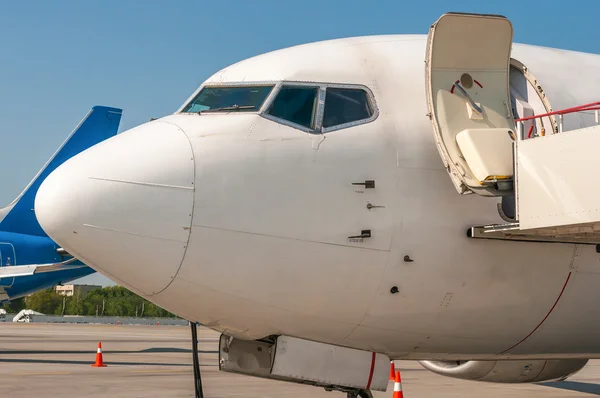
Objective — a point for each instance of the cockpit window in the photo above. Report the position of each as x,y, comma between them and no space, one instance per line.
229,99
295,104
343,105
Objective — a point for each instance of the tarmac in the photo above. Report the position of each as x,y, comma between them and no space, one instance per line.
54,360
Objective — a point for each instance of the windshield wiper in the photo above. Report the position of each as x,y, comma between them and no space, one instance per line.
228,108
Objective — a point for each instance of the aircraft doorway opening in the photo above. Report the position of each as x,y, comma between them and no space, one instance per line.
527,98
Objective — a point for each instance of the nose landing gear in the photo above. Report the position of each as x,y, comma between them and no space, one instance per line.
196,363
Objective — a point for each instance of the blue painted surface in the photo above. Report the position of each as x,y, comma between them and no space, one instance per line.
24,285
29,249
22,240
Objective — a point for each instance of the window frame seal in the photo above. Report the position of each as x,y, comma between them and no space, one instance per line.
320,108
317,110
370,99
274,83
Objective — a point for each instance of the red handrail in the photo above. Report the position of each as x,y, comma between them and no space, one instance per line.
530,131
594,106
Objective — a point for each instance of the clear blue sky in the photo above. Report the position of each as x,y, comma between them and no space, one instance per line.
59,58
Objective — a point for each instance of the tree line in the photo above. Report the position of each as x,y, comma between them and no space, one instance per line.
106,301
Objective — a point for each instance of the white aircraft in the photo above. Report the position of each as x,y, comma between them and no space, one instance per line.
331,206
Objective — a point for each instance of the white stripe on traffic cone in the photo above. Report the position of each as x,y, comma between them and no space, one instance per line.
398,386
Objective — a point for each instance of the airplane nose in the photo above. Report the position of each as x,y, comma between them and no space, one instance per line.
124,206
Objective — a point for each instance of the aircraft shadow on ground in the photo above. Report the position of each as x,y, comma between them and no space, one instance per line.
105,351
74,362
589,388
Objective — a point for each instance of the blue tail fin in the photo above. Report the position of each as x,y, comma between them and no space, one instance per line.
99,124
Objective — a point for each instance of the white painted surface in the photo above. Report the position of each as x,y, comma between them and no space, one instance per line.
557,184
323,363
488,152
23,270
133,210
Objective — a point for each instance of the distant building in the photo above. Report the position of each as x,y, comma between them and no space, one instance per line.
72,290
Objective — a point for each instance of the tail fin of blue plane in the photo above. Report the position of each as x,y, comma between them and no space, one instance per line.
99,124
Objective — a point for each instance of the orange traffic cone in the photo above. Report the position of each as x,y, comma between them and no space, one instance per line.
99,363
392,371
398,386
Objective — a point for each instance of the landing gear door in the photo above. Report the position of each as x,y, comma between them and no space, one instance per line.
467,83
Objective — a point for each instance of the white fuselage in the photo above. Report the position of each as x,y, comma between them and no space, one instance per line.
242,223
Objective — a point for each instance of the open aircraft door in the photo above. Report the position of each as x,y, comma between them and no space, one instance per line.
468,96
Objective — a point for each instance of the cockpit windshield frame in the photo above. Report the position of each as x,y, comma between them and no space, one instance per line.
371,101
319,110
259,109
320,105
